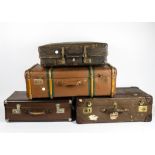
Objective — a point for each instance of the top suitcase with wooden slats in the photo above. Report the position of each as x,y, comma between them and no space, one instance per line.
73,54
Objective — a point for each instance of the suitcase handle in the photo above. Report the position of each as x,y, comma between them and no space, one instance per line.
70,83
114,109
37,112
111,110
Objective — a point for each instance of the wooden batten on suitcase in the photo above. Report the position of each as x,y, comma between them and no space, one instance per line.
18,108
70,81
73,54
129,105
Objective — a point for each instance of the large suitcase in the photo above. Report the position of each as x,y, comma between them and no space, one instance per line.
19,108
73,54
70,81
129,105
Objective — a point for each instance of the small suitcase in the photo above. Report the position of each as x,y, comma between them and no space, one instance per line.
18,108
70,81
73,54
129,105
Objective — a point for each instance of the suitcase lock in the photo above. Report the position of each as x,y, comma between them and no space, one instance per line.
17,110
88,109
59,110
142,107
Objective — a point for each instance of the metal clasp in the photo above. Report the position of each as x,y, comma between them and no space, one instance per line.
88,109
142,107
17,110
86,59
59,110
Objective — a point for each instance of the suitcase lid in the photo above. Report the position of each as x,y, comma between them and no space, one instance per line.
20,96
121,93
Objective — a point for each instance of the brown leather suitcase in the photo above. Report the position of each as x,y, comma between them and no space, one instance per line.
70,81
129,105
73,54
19,108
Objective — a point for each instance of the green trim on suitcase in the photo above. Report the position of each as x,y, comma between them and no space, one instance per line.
52,82
47,78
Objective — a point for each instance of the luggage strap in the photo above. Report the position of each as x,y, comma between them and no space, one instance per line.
113,81
51,83
92,82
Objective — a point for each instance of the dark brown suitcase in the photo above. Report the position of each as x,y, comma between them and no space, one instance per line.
19,108
70,81
73,54
129,105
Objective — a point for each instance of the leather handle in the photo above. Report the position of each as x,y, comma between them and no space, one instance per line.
111,110
70,83
36,113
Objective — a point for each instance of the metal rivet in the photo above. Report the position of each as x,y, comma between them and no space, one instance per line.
56,51
43,89
80,100
69,119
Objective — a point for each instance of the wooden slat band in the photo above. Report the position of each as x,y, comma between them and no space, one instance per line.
113,81
50,83
91,82
29,89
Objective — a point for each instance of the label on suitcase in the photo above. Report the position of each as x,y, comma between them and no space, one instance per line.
19,108
73,54
129,105
70,81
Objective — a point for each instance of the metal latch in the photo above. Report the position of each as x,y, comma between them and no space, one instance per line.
142,107
17,110
88,109
59,110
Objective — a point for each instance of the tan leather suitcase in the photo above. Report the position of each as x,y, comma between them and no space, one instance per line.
70,81
18,108
129,105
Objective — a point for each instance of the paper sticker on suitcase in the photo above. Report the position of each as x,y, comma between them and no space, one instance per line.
18,108
128,105
70,81
73,54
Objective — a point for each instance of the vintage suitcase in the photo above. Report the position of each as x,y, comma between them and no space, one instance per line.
129,105
70,81
19,108
73,54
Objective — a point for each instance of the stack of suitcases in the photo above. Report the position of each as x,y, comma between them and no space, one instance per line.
75,82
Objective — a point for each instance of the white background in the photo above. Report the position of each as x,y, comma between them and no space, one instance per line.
131,51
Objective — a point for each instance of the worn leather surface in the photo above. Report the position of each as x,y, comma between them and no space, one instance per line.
130,104
74,54
38,110
68,81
